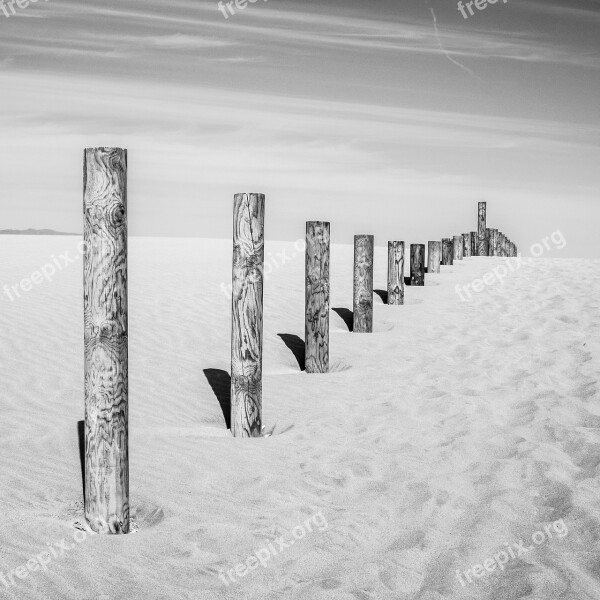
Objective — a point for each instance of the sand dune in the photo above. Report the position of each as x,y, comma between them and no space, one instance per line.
454,429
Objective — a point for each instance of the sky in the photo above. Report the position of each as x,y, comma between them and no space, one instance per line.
386,117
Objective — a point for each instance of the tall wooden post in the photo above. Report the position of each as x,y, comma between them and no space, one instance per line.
247,314
466,245
105,340
417,264
363,283
482,249
434,257
447,251
473,243
395,273
457,248
316,329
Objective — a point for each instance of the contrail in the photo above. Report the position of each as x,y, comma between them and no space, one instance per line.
445,52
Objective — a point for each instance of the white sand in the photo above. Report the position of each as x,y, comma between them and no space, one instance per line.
453,429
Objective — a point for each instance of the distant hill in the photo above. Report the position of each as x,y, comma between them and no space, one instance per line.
33,232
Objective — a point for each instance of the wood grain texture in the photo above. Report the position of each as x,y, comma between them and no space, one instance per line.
493,242
317,290
473,243
488,237
247,315
417,264
466,245
363,284
434,256
457,248
395,273
481,227
105,340
501,244
447,251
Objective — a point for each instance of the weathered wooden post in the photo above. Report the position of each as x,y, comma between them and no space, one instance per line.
316,329
473,243
434,257
363,284
105,340
457,248
466,245
447,251
494,242
488,235
395,273
482,249
247,314
417,264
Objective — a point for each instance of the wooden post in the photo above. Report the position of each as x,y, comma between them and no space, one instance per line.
434,257
363,284
488,234
494,242
447,251
417,264
105,340
457,248
395,273
466,245
473,243
316,329
482,249
247,315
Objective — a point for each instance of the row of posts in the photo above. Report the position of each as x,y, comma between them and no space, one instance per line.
106,490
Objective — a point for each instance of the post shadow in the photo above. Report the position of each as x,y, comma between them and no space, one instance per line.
220,383
81,438
383,295
347,316
296,346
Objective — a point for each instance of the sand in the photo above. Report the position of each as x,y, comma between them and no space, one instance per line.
456,428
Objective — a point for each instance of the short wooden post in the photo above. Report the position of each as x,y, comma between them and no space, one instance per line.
466,245
247,315
395,273
473,243
417,264
434,257
105,340
316,329
488,233
482,249
494,242
457,248
447,251
363,284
